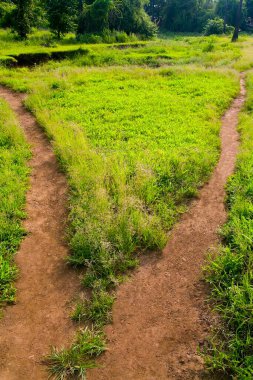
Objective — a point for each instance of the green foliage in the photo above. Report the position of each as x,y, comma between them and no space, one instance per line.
134,19
215,26
230,273
227,9
23,18
97,309
94,17
62,16
7,10
78,358
106,36
177,49
185,16
13,184
7,61
128,16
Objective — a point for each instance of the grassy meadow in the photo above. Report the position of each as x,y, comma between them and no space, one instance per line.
136,145
14,153
135,126
172,49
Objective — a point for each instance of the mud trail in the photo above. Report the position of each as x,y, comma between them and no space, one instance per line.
160,316
46,284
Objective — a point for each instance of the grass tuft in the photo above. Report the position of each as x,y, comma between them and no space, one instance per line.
66,363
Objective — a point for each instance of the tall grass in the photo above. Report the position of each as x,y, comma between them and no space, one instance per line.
119,49
230,273
14,154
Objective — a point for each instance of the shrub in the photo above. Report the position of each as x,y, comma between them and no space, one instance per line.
6,14
214,26
7,61
123,15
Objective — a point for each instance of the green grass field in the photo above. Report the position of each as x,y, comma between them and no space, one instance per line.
136,144
135,127
166,50
14,154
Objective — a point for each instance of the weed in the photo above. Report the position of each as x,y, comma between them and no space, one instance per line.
97,309
74,361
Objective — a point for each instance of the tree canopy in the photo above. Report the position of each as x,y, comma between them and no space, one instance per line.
142,17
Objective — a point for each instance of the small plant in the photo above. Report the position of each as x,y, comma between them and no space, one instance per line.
74,361
97,309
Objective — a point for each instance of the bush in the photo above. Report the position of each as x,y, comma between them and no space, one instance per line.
7,61
6,14
106,15
214,26
107,36
95,17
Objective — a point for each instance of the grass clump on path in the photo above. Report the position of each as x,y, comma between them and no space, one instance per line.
14,153
230,273
66,363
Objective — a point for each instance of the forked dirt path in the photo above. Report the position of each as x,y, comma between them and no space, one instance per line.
160,316
46,284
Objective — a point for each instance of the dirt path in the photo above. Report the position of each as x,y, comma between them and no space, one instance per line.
160,316
45,285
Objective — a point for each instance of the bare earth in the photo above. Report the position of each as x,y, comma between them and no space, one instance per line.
160,316
46,284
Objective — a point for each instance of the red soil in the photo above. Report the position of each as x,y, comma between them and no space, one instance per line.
46,284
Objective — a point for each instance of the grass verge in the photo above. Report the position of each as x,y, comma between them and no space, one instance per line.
14,153
230,274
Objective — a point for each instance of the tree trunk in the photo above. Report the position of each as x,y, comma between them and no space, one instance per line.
80,7
225,17
238,21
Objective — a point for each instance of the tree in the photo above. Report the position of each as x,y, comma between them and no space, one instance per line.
238,21
181,15
23,17
124,15
155,10
132,18
249,5
95,16
7,14
62,16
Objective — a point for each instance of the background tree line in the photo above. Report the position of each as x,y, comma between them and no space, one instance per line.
142,17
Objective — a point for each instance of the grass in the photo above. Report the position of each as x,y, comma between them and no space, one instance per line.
14,154
136,143
132,178
65,364
177,49
230,273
